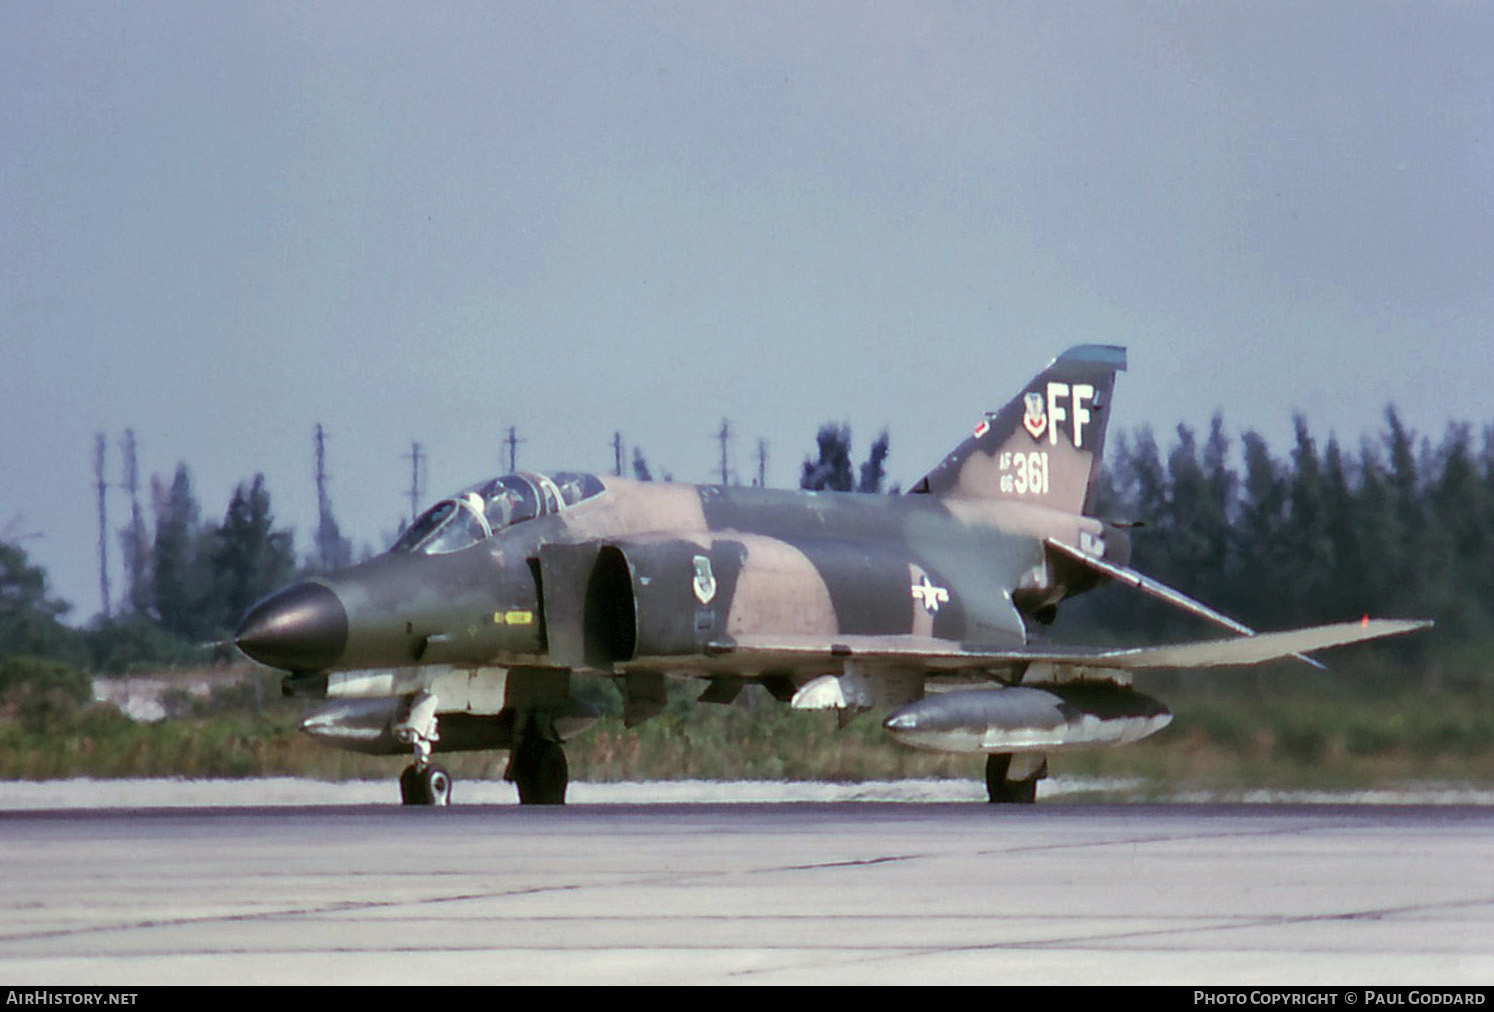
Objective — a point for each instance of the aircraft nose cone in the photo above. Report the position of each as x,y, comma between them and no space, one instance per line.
301,628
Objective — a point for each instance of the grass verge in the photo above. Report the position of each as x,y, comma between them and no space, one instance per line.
1220,741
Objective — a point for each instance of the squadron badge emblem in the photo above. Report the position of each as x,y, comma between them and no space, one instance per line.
1036,419
705,580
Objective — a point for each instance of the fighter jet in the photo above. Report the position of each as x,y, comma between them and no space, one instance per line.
466,632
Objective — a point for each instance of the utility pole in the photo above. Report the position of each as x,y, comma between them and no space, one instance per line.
98,473
332,549
617,454
513,449
321,471
135,535
416,459
724,436
762,463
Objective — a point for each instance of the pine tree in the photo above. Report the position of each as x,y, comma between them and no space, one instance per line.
30,619
1309,559
874,472
251,558
1405,500
1262,519
832,471
1223,485
1189,518
1345,595
640,466
1458,508
182,582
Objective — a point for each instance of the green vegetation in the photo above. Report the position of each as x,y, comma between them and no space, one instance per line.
1225,739
1402,528
188,587
1232,744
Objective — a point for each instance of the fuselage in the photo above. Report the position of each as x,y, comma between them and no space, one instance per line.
676,569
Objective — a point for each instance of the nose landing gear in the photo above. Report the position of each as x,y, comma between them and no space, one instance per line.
422,782
536,763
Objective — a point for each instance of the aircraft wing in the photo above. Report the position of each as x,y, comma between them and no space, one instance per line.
1257,648
769,653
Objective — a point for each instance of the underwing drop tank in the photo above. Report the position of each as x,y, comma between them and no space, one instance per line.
1026,718
372,726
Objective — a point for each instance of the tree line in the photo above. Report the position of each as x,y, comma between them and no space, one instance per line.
189,583
1398,526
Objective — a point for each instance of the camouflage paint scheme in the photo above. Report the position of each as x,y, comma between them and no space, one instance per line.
839,600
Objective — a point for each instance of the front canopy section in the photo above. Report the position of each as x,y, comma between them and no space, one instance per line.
492,506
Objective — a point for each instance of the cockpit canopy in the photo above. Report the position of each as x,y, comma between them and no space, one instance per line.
488,507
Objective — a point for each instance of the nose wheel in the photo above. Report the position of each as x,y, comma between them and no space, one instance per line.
425,785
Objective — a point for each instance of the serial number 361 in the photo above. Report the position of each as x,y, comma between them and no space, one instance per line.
1024,473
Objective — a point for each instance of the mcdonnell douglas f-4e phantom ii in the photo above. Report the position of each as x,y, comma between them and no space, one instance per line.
464,635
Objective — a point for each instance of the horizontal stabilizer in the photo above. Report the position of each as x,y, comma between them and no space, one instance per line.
1161,591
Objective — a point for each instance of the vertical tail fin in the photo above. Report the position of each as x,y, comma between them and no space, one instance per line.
1045,445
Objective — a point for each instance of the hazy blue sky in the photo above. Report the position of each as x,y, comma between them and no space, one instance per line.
222,223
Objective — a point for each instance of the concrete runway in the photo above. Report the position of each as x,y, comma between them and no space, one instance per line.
844,893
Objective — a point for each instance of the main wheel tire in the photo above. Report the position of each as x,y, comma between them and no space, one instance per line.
1021,792
541,772
1000,790
996,766
412,789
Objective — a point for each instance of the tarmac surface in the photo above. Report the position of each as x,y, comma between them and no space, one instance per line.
761,892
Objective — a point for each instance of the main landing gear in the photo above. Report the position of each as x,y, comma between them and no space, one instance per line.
538,768
1014,782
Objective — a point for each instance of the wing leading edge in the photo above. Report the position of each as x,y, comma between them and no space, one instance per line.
946,655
